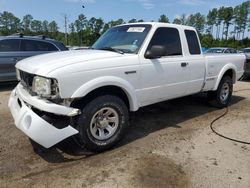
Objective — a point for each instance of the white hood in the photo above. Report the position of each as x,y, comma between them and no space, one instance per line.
52,61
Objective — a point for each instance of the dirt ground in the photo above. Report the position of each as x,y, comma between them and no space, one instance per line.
168,145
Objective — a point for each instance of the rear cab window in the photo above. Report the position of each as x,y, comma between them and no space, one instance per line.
193,42
10,45
168,37
33,45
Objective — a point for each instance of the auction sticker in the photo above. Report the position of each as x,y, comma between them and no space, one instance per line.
136,29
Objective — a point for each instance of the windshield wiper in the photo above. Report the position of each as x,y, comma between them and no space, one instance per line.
112,50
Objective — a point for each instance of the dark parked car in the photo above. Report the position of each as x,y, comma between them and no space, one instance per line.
17,47
246,51
221,50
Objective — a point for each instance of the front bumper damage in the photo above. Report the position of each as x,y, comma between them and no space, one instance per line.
33,125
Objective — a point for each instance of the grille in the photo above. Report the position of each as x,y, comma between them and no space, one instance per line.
26,78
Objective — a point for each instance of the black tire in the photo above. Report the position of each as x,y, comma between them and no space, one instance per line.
216,97
89,111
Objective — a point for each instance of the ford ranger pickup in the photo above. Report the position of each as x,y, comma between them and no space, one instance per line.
89,93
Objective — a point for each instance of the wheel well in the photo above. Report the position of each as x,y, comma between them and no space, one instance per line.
231,74
106,90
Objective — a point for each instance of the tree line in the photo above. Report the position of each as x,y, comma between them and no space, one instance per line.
223,26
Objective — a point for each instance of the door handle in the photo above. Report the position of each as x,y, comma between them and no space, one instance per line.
130,72
184,64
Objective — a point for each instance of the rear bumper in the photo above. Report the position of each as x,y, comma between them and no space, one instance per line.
33,125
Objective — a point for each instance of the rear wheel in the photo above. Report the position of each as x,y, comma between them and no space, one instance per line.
222,96
102,123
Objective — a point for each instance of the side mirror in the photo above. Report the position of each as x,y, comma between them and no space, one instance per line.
155,52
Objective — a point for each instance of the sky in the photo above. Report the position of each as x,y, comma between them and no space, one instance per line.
110,9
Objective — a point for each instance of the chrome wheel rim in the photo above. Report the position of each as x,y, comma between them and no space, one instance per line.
225,91
104,123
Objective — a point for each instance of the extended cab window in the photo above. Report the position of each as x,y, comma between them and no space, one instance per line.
168,37
32,45
9,45
193,43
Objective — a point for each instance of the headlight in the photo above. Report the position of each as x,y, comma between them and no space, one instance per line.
18,74
41,86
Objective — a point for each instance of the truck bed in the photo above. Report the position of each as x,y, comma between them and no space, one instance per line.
217,63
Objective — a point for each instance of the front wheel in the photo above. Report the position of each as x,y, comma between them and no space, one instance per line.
222,96
102,123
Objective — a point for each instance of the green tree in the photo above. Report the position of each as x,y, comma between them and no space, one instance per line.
45,26
207,41
200,22
9,23
227,18
183,19
132,21
234,20
113,23
244,12
191,20
105,27
219,19
26,23
36,26
163,18
196,20
177,21
211,20
72,28
98,26
73,39
80,24
53,27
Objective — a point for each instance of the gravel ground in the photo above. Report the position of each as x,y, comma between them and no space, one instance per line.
169,144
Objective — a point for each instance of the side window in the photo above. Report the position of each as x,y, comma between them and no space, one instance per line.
193,43
168,37
32,45
227,51
9,45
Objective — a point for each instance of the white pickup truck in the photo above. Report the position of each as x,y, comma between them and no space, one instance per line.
130,66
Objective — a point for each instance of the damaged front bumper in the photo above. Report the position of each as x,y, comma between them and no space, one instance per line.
33,125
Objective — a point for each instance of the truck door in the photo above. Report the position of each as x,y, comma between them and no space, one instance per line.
9,55
166,77
196,63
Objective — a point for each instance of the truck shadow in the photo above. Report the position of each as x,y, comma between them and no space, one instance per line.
246,80
143,122
170,114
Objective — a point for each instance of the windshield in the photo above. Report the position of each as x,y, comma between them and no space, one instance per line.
126,38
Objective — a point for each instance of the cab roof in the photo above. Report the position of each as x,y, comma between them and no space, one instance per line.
159,24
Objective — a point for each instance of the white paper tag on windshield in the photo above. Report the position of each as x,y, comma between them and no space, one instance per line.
136,29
